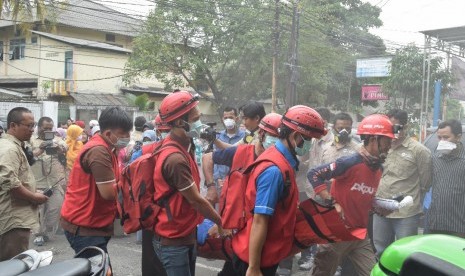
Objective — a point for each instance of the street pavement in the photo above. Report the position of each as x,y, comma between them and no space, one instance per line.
125,256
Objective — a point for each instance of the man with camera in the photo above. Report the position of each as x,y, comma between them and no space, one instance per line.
18,196
49,172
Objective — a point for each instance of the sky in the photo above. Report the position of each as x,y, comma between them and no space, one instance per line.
402,19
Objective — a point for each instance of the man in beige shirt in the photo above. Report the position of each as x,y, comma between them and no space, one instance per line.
342,143
407,172
49,173
18,196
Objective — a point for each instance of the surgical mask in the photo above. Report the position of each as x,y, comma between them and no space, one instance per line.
445,147
197,126
307,145
269,141
229,123
342,136
121,142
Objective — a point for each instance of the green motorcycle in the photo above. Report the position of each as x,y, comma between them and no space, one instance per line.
425,255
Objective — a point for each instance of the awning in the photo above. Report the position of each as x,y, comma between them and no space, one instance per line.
89,101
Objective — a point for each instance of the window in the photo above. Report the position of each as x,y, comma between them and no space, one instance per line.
1,50
110,38
17,48
34,40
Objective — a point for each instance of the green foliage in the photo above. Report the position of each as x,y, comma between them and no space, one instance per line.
405,81
454,110
141,101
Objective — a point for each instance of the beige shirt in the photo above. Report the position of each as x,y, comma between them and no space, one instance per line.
14,172
407,171
47,170
332,151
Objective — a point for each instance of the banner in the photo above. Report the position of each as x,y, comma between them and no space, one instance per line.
373,93
373,67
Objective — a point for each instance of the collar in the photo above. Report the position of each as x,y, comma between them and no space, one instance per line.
238,133
287,154
13,139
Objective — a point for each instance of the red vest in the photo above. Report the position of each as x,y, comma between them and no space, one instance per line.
83,205
178,219
280,234
149,148
244,156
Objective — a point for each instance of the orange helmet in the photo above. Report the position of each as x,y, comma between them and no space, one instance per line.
176,105
305,120
161,125
270,123
376,124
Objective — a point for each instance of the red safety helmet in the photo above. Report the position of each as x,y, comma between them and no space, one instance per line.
160,125
305,120
270,123
376,124
177,104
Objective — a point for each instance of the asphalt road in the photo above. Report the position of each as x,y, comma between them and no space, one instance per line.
125,256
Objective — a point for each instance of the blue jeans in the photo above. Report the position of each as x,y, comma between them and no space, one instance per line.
177,260
80,242
387,230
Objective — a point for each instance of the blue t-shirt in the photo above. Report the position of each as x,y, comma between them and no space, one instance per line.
224,156
222,170
270,184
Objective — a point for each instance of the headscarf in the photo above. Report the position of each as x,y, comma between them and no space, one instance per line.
151,134
74,146
81,124
61,132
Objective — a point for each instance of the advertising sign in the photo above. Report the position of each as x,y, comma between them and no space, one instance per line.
373,67
373,92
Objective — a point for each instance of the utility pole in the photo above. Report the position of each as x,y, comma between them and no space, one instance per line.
291,96
275,57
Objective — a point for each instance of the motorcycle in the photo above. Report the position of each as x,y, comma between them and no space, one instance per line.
90,261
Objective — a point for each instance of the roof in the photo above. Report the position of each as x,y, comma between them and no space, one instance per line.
87,14
92,100
7,93
83,42
454,36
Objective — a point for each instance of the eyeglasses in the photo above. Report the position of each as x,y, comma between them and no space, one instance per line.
30,126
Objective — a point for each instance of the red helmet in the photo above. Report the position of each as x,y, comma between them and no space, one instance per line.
305,120
376,124
270,123
161,125
177,104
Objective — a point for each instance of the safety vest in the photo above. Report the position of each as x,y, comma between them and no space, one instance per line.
178,218
244,156
83,205
280,233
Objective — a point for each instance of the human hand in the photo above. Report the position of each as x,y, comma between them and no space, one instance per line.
251,271
40,198
339,210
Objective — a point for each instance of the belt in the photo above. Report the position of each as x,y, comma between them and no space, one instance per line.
86,231
187,240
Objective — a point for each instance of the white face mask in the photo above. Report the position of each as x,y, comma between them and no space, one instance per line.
229,123
445,147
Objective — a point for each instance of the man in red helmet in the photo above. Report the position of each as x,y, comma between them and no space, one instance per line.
355,181
272,196
177,181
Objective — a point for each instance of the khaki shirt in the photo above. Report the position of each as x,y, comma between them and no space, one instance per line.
14,172
332,151
47,170
407,171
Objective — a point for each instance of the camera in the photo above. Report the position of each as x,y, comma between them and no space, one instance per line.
50,149
209,133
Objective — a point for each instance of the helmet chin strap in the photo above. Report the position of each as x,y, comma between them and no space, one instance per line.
294,154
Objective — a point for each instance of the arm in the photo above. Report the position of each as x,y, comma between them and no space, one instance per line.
20,192
99,162
200,204
207,168
222,145
107,190
424,165
256,241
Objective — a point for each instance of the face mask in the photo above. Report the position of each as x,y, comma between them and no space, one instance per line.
269,141
197,126
121,142
229,123
305,148
445,147
342,136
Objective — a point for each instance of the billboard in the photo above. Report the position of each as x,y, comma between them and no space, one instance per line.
373,67
373,92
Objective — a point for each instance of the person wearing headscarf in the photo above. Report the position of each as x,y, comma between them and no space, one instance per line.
61,132
74,144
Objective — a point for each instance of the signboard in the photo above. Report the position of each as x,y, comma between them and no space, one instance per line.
373,67
373,93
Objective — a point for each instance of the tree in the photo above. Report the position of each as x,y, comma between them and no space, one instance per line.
21,11
141,101
218,46
405,80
